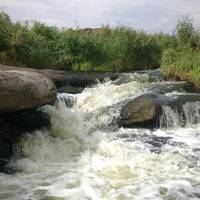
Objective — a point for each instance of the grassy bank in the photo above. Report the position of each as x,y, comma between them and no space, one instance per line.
104,49
120,49
183,60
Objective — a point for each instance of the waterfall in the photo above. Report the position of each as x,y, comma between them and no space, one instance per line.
188,114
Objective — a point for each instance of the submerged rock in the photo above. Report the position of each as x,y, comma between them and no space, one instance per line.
168,87
68,99
154,75
24,90
153,143
70,89
145,110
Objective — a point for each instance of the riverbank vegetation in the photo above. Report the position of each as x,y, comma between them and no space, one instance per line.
183,60
120,49
104,49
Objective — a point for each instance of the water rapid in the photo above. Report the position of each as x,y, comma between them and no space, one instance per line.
85,157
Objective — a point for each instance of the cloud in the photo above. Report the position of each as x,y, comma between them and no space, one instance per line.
149,15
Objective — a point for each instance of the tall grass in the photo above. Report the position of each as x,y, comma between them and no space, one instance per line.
183,60
104,49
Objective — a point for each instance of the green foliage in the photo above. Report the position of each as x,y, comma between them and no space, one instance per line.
120,49
184,30
6,31
183,60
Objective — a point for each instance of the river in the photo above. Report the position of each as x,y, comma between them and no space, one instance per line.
85,157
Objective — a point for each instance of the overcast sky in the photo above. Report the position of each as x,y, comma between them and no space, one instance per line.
149,15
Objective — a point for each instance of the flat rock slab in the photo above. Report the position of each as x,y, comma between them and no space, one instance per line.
55,75
78,79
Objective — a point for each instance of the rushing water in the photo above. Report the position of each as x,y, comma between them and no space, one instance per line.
83,157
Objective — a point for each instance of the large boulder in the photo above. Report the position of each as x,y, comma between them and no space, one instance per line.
145,110
21,93
139,112
24,90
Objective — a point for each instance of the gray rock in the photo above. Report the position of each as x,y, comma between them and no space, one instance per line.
21,93
24,90
139,112
145,110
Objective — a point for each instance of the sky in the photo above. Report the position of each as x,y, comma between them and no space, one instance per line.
147,15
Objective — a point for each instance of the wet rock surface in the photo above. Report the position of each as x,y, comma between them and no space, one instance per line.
153,143
14,125
70,89
145,110
154,75
140,111
168,87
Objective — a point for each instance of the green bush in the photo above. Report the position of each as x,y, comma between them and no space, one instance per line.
183,60
120,49
6,32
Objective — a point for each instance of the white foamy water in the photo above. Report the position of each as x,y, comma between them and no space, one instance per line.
82,158
189,115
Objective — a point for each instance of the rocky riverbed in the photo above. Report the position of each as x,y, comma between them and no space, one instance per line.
126,136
